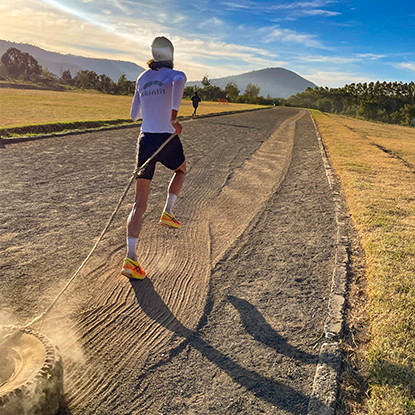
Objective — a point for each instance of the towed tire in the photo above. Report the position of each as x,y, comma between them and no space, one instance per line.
31,373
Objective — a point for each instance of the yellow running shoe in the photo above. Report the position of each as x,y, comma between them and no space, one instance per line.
169,221
132,269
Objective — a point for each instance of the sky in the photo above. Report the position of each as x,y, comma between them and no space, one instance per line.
328,42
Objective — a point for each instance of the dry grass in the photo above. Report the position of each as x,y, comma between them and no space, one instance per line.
398,140
27,107
375,165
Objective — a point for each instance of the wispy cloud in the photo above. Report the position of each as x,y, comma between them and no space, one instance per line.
213,22
229,5
299,5
410,66
333,79
296,10
341,60
289,11
369,56
291,36
318,12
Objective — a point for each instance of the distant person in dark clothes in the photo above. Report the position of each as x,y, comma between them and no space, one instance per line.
195,100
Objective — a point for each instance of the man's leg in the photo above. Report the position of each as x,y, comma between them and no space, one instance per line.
135,218
174,188
131,267
177,180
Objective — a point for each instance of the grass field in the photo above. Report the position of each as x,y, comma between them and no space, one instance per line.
21,107
376,164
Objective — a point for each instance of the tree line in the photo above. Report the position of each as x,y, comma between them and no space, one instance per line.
390,102
22,66
231,92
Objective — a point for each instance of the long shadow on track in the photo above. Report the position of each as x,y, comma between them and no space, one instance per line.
262,387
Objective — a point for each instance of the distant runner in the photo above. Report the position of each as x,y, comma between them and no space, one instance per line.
195,100
157,98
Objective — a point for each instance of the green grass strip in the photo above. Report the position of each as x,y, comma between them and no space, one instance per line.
51,128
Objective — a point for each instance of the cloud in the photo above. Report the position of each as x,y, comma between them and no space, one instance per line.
327,59
410,66
126,38
318,12
335,79
340,60
369,56
298,5
236,6
292,11
214,21
291,36
121,7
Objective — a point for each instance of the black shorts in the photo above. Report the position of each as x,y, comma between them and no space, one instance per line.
171,155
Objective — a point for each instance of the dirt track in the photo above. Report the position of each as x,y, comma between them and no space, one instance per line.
227,320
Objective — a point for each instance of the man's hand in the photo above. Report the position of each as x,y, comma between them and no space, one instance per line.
178,127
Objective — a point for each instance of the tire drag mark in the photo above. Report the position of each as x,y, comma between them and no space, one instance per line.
242,198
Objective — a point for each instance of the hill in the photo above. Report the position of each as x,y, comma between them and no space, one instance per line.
277,82
57,62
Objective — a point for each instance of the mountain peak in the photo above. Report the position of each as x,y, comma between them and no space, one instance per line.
276,82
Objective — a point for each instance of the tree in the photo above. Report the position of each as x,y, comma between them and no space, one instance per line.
48,78
324,105
106,84
368,110
86,79
408,113
206,81
251,92
11,61
4,73
20,64
66,76
211,93
124,86
232,91
189,91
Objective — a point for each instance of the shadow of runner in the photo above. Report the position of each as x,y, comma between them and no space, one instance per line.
255,324
262,387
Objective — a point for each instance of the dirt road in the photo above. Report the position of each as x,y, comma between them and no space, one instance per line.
228,319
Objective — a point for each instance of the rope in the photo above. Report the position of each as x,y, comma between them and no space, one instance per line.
132,178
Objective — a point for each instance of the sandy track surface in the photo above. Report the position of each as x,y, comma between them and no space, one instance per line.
227,320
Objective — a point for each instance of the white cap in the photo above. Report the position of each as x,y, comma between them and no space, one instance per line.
162,54
162,49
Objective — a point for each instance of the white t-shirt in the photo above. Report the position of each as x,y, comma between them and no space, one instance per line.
157,93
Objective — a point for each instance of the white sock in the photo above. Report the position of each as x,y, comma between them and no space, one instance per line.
171,199
132,248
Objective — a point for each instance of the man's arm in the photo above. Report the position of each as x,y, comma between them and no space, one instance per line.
177,126
136,106
179,82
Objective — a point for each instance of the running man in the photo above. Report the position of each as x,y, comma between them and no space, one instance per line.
157,98
195,100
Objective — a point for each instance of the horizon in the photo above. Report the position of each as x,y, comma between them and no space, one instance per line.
330,43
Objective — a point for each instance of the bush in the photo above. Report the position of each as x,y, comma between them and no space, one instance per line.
368,110
324,105
396,117
408,113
